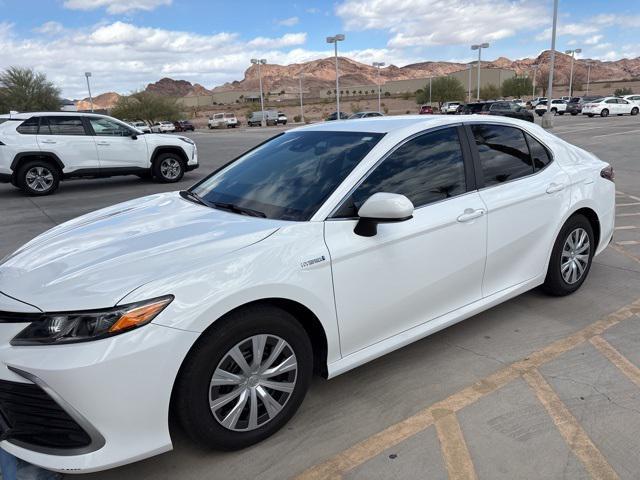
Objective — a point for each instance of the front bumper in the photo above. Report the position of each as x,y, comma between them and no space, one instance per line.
117,390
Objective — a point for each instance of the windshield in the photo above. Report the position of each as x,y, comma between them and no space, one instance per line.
290,176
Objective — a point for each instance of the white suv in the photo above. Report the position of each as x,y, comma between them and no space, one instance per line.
223,120
37,150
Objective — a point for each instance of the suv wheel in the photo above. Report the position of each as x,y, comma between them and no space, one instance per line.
37,177
244,379
168,168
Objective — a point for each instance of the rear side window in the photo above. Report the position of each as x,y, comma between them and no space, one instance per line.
61,126
426,169
503,152
540,155
29,126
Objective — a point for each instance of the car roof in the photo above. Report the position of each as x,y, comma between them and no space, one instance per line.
25,115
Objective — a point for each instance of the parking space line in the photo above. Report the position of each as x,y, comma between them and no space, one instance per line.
370,447
616,133
626,227
454,448
628,242
624,252
627,204
570,429
634,214
631,371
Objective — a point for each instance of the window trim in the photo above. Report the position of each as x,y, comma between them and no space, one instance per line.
476,155
470,181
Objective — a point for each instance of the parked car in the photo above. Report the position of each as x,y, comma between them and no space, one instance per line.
40,149
449,107
223,120
214,306
558,106
566,98
610,106
426,110
184,126
574,106
534,102
519,102
142,126
510,109
476,108
334,116
365,115
270,118
635,98
282,118
163,127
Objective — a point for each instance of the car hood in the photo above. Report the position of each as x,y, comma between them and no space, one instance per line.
97,259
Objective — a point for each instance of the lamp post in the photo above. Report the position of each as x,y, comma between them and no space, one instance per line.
479,47
430,92
378,65
588,76
301,107
572,53
469,83
258,62
547,121
535,72
87,75
335,39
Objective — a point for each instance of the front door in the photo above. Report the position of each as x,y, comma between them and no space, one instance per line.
413,271
117,149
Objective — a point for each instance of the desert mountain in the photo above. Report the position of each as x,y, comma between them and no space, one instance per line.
176,88
105,100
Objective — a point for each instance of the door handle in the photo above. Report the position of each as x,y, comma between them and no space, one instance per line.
102,143
48,141
555,187
470,214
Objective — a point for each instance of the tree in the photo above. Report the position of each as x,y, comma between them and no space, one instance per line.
517,87
443,89
146,106
25,90
619,92
489,92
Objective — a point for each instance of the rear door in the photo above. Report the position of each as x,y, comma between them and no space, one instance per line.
67,137
117,148
526,195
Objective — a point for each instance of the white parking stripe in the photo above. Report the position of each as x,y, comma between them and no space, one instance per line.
628,242
634,214
626,227
617,133
627,204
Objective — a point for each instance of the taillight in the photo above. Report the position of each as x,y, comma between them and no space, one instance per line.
608,173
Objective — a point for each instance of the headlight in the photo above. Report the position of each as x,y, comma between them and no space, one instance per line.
72,327
187,140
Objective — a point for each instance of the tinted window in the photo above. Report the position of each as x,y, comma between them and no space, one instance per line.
103,127
425,169
29,127
611,100
503,153
61,126
290,176
540,155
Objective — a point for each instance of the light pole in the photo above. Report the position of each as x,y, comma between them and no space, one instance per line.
469,83
378,65
87,75
535,73
430,92
301,107
588,76
335,39
572,53
547,121
479,47
258,62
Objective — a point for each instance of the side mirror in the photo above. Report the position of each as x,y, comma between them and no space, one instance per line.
134,136
382,208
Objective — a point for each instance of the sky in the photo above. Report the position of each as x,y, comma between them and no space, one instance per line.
127,44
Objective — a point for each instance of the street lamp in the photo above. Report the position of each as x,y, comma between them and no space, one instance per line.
378,65
87,75
535,72
588,75
301,107
547,121
469,83
479,47
335,39
572,53
259,62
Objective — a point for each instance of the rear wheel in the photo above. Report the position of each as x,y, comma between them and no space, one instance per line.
574,113
244,379
560,113
37,177
590,115
571,257
604,113
168,168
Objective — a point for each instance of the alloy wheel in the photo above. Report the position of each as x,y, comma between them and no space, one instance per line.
253,382
170,168
575,256
39,179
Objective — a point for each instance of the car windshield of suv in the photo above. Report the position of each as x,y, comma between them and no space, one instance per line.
288,177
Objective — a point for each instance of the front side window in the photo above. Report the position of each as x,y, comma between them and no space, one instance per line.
503,152
103,127
425,169
61,126
290,176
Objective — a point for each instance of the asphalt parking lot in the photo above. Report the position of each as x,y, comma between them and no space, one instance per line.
537,387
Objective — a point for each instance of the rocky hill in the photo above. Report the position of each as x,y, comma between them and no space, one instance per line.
105,100
176,88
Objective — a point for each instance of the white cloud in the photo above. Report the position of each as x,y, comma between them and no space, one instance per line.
420,23
289,22
50,28
573,29
115,7
287,40
594,40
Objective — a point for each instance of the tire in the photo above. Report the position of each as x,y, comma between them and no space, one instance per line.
590,115
604,113
560,113
556,283
573,114
193,393
634,111
168,168
540,113
554,110
38,178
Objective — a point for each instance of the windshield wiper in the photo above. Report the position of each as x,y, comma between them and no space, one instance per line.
232,207
194,197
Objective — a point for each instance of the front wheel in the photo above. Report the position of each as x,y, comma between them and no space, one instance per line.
571,257
560,113
590,115
168,168
245,378
574,114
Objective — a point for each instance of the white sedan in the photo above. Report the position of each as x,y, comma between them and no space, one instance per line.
320,250
610,106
